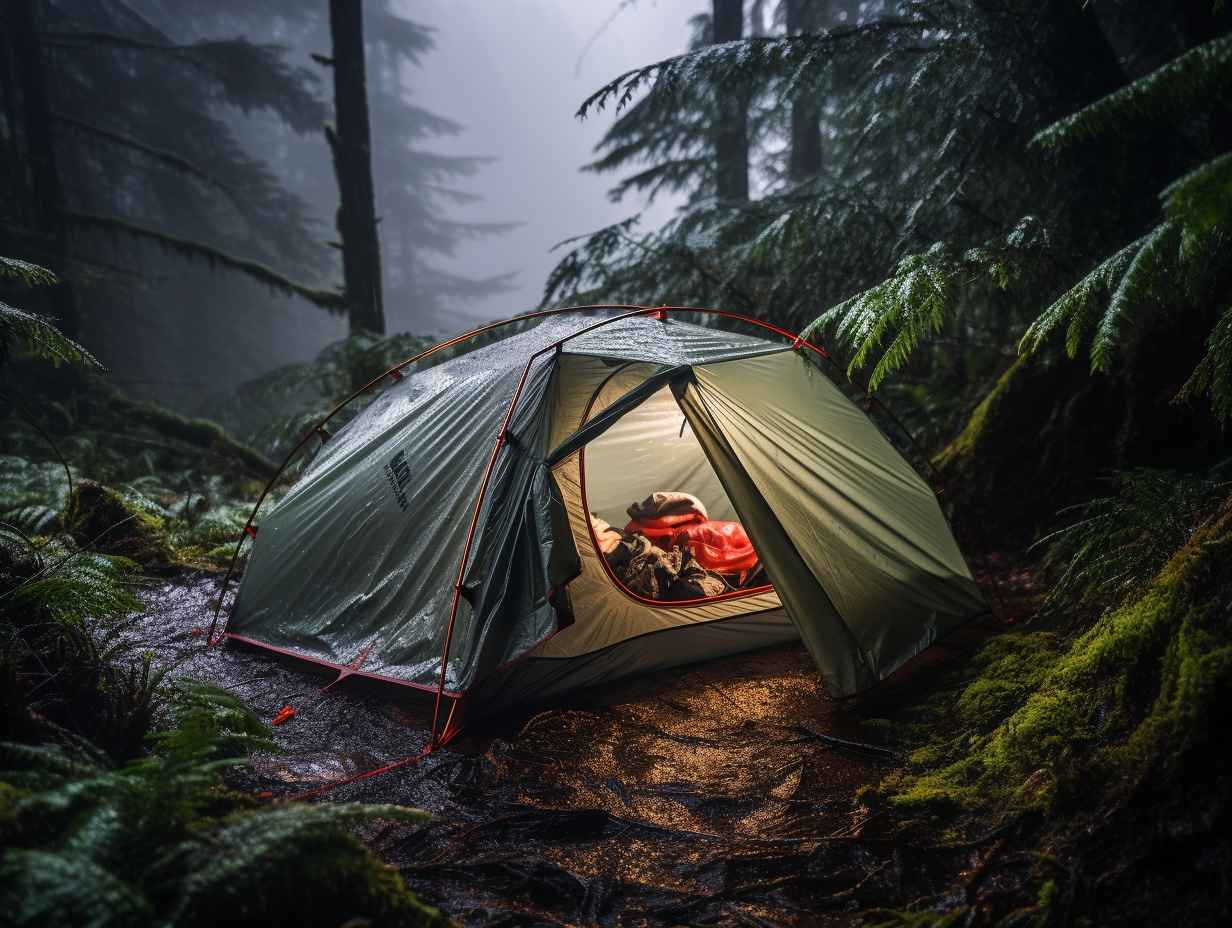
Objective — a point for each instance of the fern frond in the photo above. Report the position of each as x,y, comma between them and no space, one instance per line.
915,302
1078,307
26,272
253,850
1201,199
1201,73
76,586
212,723
41,337
1142,282
1213,375
1120,541
56,889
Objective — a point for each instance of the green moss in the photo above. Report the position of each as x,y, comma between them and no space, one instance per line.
104,520
329,882
1044,722
964,450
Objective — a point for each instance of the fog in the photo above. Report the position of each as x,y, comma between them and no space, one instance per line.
513,72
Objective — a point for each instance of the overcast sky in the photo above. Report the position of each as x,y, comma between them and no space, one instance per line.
509,71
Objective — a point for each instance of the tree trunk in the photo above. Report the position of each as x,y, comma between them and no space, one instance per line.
731,129
805,158
48,234
351,146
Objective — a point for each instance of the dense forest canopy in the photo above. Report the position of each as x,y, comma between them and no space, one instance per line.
1004,228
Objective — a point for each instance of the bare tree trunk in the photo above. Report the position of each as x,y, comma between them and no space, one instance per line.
48,233
731,130
805,157
351,146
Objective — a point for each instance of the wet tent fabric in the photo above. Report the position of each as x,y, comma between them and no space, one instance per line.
356,565
846,527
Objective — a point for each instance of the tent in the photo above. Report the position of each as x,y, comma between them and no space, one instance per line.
442,539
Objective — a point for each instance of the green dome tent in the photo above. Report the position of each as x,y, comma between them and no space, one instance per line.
443,538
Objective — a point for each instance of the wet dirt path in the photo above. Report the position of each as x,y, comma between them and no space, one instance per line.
700,795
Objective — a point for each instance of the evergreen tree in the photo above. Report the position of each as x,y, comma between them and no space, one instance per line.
351,146
121,132
927,109
415,187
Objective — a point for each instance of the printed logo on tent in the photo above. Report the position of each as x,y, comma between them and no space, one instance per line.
399,472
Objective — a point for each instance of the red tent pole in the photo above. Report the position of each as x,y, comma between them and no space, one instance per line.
483,492
317,430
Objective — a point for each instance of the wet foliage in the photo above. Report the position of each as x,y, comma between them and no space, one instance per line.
1016,226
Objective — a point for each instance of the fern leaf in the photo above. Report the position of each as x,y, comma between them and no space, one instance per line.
1140,284
25,271
1078,307
1213,375
251,849
41,337
1201,199
49,890
1202,73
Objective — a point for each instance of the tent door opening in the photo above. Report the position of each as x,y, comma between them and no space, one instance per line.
662,525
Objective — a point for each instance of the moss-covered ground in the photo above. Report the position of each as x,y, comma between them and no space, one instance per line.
1057,767
1093,751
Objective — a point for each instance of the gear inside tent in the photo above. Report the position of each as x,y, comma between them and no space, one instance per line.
601,496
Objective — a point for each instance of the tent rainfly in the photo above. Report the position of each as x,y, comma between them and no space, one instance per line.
442,539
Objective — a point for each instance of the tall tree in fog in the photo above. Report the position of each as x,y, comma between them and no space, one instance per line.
417,189
35,202
731,120
122,143
804,158
938,224
350,144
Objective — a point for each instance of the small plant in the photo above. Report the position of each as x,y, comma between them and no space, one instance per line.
1119,542
159,840
38,334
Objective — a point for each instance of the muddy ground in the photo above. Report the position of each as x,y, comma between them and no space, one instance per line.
703,795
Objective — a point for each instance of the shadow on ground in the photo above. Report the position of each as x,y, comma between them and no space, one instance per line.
704,795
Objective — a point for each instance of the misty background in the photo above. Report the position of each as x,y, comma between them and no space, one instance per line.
511,75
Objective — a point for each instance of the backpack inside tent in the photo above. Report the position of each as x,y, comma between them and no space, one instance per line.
594,498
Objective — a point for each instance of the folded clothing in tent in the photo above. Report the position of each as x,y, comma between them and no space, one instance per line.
653,572
673,518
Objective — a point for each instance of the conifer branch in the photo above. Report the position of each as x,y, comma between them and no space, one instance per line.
161,155
330,300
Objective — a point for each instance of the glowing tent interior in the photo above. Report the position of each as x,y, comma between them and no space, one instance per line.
448,537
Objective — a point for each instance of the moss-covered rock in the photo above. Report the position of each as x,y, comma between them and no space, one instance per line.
1035,441
104,520
1140,692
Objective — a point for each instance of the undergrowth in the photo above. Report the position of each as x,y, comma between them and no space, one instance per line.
1100,725
159,840
113,805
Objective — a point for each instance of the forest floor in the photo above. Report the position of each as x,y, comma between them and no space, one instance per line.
706,794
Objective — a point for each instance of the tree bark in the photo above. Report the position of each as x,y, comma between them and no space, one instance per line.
48,231
351,146
731,129
804,161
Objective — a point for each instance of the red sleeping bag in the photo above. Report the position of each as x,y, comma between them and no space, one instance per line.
723,547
